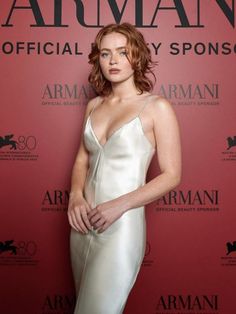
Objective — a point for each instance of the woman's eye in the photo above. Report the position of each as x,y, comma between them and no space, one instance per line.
123,53
104,54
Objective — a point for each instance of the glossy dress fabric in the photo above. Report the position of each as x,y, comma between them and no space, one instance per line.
105,265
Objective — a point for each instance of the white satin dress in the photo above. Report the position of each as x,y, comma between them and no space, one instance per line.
105,265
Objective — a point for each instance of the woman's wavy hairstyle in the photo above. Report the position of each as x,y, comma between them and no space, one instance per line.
139,57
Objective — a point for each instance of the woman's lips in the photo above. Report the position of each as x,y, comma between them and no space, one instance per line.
114,71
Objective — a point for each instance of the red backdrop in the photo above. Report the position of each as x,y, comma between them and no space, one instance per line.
190,260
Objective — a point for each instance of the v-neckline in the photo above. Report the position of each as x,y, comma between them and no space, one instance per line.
113,133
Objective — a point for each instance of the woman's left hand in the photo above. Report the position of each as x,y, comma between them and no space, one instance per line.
104,214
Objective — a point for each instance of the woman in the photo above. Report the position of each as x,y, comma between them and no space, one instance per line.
123,127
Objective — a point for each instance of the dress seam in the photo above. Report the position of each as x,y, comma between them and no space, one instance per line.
82,275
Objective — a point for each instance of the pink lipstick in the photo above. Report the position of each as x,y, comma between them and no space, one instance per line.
114,71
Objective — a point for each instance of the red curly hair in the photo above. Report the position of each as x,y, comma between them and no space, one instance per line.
139,58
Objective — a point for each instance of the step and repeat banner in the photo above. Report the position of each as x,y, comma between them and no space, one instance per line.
190,261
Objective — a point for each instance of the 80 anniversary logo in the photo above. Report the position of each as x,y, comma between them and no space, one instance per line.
21,143
21,147
18,253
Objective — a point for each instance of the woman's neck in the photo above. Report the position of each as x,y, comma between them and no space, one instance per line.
124,90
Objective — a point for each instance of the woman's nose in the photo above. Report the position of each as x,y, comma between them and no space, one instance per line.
113,59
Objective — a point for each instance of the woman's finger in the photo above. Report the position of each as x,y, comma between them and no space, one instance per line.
85,218
72,222
99,223
79,221
95,218
104,227
92,213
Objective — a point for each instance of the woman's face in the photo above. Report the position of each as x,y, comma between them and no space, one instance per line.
113,59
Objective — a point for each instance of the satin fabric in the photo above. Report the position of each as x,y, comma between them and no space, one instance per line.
105,265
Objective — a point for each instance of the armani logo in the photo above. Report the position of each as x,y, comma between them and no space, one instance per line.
117,11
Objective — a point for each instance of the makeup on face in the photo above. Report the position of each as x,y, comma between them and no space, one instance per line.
114,57
114,71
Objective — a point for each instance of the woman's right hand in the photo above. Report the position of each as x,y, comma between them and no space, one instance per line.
77,212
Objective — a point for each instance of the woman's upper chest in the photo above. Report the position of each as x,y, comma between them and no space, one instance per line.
106,119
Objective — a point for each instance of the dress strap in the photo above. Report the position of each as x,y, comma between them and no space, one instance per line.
94,105
142,108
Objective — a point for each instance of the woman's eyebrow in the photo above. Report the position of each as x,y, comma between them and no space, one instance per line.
119,48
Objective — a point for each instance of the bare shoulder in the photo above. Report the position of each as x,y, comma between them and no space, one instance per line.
91,103
159,103
160,107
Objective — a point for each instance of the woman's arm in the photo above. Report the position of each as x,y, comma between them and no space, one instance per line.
167,137
78,207
79,171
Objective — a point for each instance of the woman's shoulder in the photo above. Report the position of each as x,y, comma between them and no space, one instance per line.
159,106
92,103
159,102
